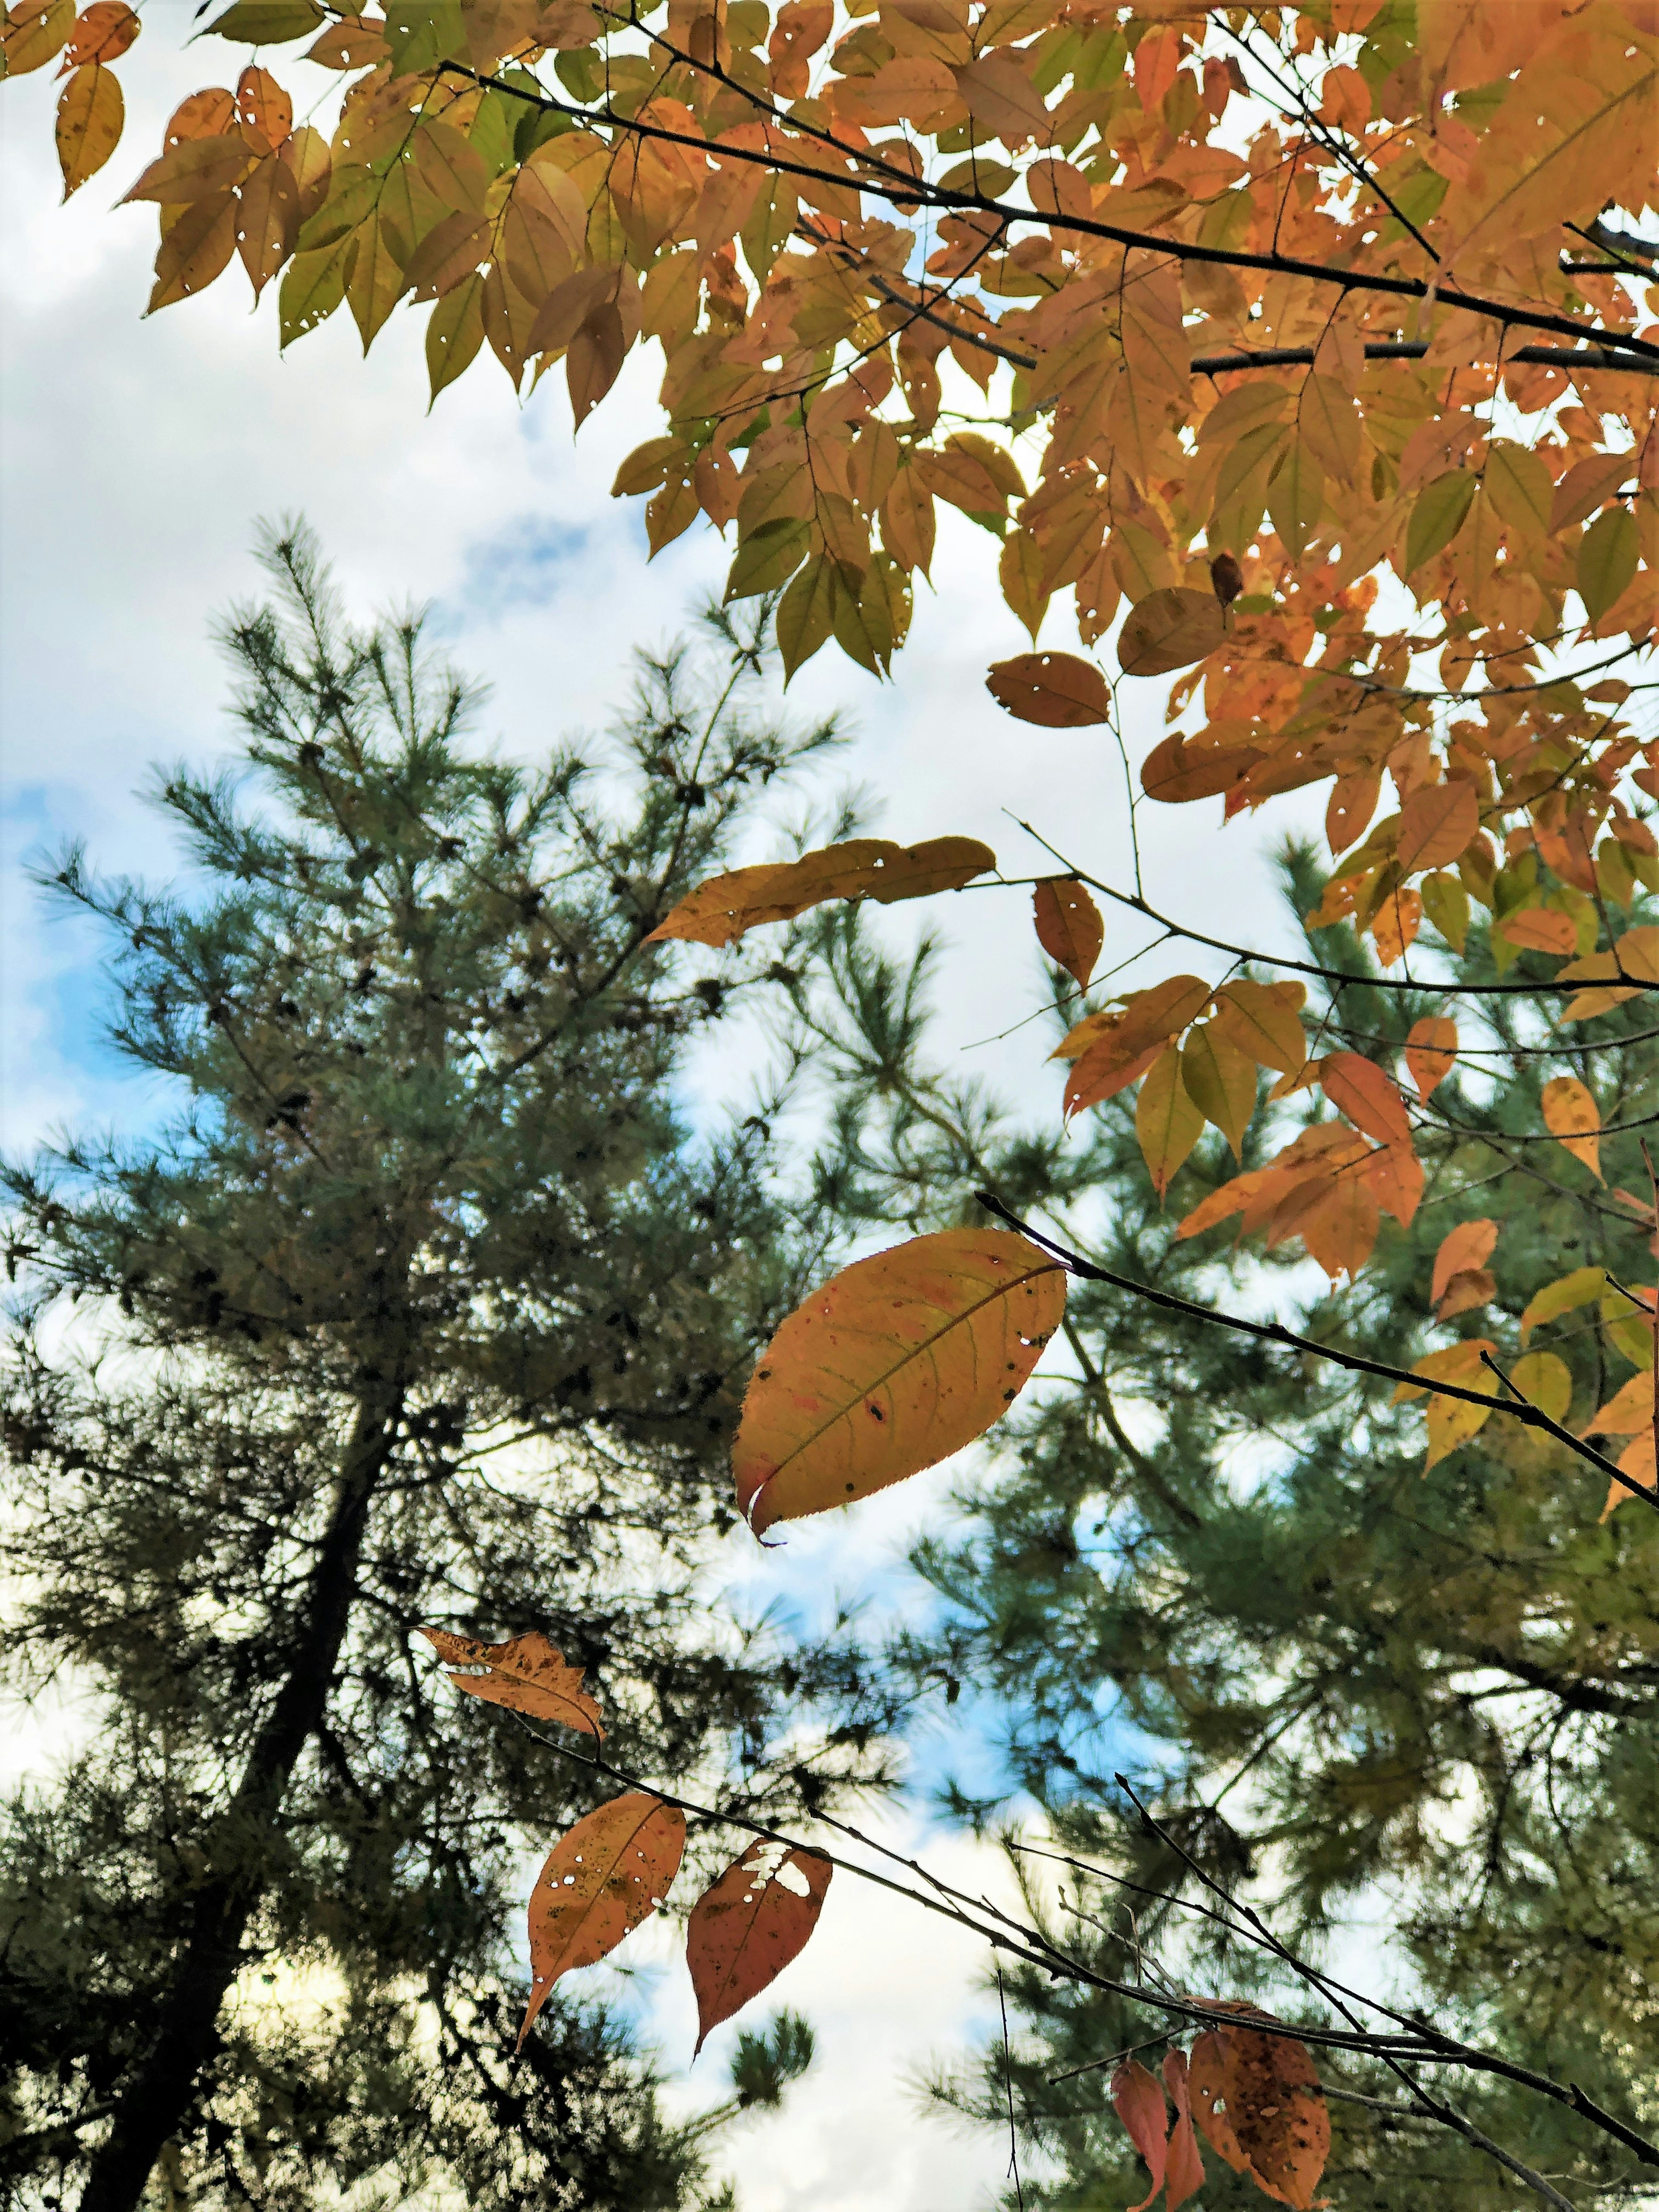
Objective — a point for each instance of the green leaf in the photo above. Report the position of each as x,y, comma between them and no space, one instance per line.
267,22
1606,560
1446,904
767,558
421,34
806,613
313,285
1437,516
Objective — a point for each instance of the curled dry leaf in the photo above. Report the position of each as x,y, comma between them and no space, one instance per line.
720,910
1431,1052
1170,630
1469,1245
1572,1116
610,1872
897,1362
1056,690
525,1673
1183,2172
1069,927
1138,2103
744,1930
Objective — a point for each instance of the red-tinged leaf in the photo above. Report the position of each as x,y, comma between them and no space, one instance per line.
897,1362
1341,1224
745,1931
90,114
1436,825
1358,1088
1069,927
1279,2114
1538,929
1167,1122
1056,690
1138,2103
1184,2168
720,911
1125,1044
102,33
1206,2081
1432,1052
525,1673
1170,630
1573,1118
1396,1178
610,1872
1469,1245
34,31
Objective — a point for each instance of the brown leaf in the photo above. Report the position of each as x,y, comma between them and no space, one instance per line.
1572,1116
1069,927
1436,823
1226,578
1138,2103
720,911
894,1364
1127,1044
34,31
1170,629
1469,1245
102,33
1278,2112
745,1930
525,1673
599,1881
196,247
1056,691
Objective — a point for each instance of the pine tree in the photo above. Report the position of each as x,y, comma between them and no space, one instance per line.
423,1304
1412,1717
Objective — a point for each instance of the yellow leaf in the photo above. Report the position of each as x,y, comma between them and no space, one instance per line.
1452,1422
1544,1380
1582,1287
720,910
1219,1079
1572,1116
1167,1122
90,114
897,1362
1458,1363
1264,1021
1637,1461
34,31
1628,1409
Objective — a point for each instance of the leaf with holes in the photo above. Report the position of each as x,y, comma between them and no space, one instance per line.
1069,927
1278,2111
525,1673
1573,1118
90,114
609,1873
720,911
894,1364
745,1930
1056,691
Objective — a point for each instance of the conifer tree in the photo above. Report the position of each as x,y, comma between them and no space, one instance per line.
422,1304
1409,1713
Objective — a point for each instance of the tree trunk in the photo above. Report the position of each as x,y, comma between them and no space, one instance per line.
157,2096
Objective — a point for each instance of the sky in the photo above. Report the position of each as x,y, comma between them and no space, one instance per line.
136,457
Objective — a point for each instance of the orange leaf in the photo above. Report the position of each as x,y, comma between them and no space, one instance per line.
90,114
1432,1052
1122,1050
1358,1088
1572,1116
102,32
1469,1245
1170,629
1278,2112
1639,1461
1627,1411
1184,2170
744,1930
525,1674
897,1362
1466,1291
1138,2103
720,911
1436,823
1069,927
1537,929
1056,691
1395,924
1207,2082
609,1873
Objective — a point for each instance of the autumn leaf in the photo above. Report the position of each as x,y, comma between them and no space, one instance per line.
1431,1052
599,1881
1639,1461
1582,1287
1572,1116
1360,1089
1278,2111
744,1930
90,114
1069,927
525,1673
720,910
1170,630
1184,2167
1120,1047
1469,1245
1167,1122
1208,2088
1536,929
1263,1021
1138,2103
1056,690
1436,825
1544,1380
102,33
1219,1079
33,34
894,1364
1437,516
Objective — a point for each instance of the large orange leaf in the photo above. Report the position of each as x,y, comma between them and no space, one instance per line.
1056,690
1359,1088
1206,2082
718,911
1572,1116
610,1872
525,1673
745,1930
897,1362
